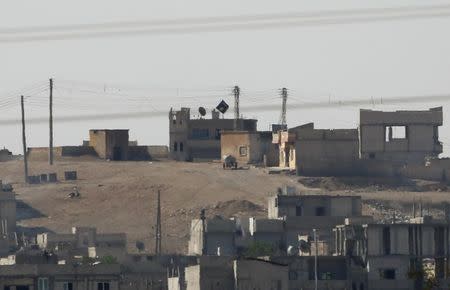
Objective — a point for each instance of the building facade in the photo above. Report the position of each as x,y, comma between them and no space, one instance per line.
249,147
199,139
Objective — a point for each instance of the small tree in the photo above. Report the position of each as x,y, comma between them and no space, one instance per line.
258,249
108,260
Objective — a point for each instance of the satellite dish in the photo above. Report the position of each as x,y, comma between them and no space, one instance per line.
222,107
202,111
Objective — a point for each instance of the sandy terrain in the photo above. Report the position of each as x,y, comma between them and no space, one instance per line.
120,196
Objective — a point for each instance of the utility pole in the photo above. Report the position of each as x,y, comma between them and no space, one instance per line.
236,93
158,227
284,95
203,219
50,147
24,141
315,260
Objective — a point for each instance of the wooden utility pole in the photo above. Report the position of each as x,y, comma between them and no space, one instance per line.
158,227
24,141
50,146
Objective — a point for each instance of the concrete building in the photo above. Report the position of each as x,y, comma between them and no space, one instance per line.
395,256
249,147
55,277
313,151
85,242
216,237
332,272
285,140
5,155
199,139
313,206
211,273
109,144
260,274
400,136
7,220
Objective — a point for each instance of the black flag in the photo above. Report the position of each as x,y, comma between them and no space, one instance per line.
222,107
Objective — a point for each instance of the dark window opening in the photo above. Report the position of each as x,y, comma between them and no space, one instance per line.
386,241
200,133
217,135
387,274
276,202
320,211
103,286
181,147
293,275
68,286
298,210
361,286
372,155
175,146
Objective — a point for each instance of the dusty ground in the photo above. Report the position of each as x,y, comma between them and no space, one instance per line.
120,197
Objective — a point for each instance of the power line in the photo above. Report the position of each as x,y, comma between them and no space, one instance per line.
253,108
220,24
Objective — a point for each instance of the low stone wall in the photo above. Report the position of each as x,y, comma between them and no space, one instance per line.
142,153
41,153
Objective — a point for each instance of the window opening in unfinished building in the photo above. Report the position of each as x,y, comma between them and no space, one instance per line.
395,133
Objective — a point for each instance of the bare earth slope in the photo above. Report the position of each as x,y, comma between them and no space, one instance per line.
121,197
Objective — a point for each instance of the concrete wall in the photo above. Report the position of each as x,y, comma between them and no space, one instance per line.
326,152
398,263
140,153
254,274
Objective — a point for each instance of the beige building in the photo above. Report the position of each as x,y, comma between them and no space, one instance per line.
403,136
215,237
56,277
211,273
85,242
199,139
249,147
318,151
313,206
110,144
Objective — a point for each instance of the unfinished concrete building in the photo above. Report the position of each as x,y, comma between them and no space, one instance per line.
249,147
215,237
110,144
400,136
199,139
84,241
313,151
7,220
396,256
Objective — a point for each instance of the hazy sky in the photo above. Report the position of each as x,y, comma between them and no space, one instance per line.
360,60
